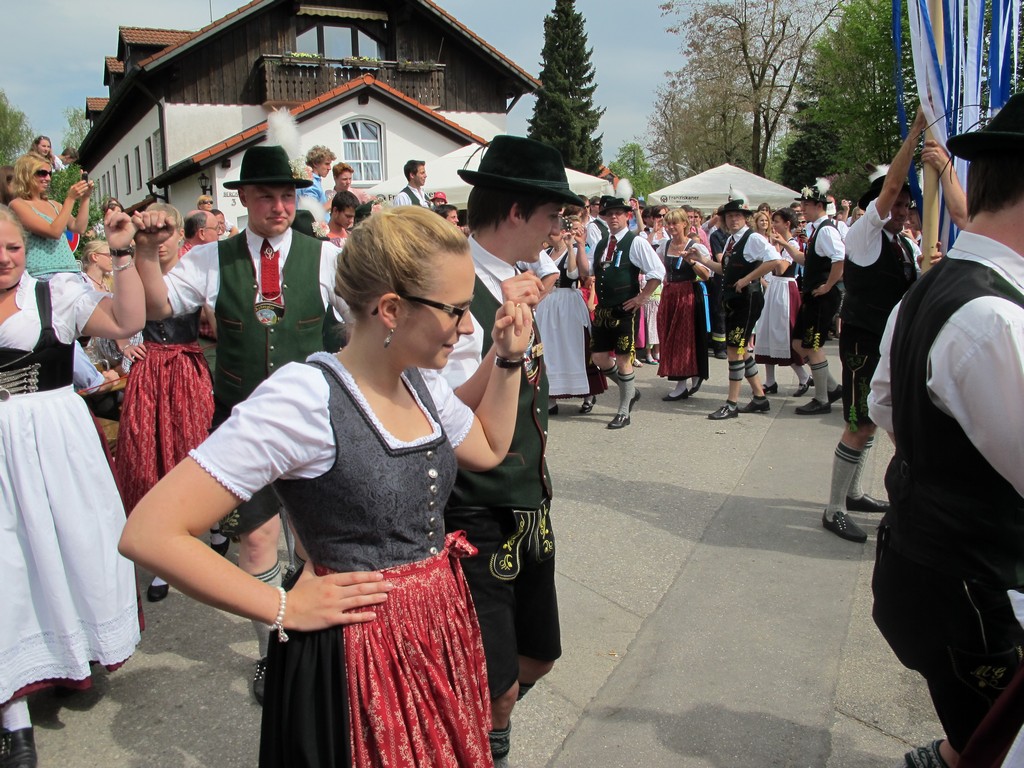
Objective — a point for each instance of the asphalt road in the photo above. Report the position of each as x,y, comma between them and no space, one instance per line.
708,620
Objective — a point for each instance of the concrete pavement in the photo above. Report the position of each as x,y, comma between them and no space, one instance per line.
707,618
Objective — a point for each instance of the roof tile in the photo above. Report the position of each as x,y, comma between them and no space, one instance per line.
113,65
96,103
151,36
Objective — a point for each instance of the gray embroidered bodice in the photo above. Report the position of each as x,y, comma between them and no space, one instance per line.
377,506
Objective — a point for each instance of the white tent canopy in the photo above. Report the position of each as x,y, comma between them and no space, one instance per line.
442,176
713,188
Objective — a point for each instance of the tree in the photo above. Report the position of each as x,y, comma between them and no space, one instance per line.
15,132
75,129
631,163
761,46
695,126
564,115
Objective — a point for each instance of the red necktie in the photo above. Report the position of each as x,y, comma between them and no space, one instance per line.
270,273
728,247
611,249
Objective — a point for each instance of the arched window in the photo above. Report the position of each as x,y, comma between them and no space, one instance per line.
362,147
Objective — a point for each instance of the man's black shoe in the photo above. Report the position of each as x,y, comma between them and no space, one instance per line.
756,406
843,527
835,394
259,681
18,748
621,420
867,504
725,412
813,408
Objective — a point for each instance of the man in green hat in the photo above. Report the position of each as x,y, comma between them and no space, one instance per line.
270,288
514,207
950,559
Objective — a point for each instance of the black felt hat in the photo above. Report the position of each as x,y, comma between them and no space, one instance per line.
610,203
517,164
875,190
267,164
815,193
1004,133
735,206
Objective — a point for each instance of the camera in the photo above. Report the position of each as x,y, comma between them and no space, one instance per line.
85,175
566,225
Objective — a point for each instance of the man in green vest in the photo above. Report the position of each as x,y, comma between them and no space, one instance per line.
515,206
270,288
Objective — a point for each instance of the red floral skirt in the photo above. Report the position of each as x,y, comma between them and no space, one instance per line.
682,328
416,679
167,411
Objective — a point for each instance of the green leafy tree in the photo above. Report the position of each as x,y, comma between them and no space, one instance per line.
564,115
75,129
15,132
631,163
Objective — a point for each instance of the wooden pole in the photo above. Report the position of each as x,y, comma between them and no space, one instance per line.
930,194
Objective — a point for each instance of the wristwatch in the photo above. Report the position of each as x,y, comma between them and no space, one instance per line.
116,252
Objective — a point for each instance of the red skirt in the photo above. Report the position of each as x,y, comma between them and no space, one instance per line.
416,677
683,340
167,411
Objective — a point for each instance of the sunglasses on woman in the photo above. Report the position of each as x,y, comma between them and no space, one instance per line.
42,173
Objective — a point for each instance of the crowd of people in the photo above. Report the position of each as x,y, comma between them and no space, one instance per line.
403,458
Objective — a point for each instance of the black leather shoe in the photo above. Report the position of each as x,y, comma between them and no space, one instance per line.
867,504
725,412
157,592
843,527
259,680
802,389
18,749
553,410
588,404
694,389
670,398
755,406
772,389
621,420
634,401
721,355
813,408
835,394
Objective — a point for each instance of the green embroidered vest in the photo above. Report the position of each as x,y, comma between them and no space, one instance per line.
619,279
248,351
521,481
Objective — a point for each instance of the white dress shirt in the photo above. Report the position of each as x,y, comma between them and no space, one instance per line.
975,364
641,255
195,280
862,244
829,242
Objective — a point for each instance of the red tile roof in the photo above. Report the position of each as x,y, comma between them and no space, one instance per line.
150,36
113,65
352,85
96,103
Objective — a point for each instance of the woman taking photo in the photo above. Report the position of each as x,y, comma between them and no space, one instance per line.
44,220
377,643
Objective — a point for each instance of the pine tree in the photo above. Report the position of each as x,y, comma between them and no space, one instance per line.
564,115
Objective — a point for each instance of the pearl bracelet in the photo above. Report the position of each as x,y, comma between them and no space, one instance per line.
124,266
278,624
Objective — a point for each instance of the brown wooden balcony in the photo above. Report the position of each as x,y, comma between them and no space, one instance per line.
289,80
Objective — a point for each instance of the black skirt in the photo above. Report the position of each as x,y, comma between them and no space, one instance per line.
305,705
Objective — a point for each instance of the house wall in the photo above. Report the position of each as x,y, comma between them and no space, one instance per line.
484,124
192,128
109,171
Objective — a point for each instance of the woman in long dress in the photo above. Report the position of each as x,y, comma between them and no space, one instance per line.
563,319
378,649
683,313
68,597
773,332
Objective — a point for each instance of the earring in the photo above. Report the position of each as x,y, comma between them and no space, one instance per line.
387,339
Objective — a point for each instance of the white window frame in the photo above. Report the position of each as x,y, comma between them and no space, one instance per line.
353,151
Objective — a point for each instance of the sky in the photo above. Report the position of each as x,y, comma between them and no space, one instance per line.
58,61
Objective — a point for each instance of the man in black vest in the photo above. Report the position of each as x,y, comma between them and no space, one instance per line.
951,549
823,269
746,258
515,206
881,264
270,288
416,178
618,263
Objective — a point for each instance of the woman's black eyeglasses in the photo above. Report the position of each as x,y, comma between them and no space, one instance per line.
448,309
